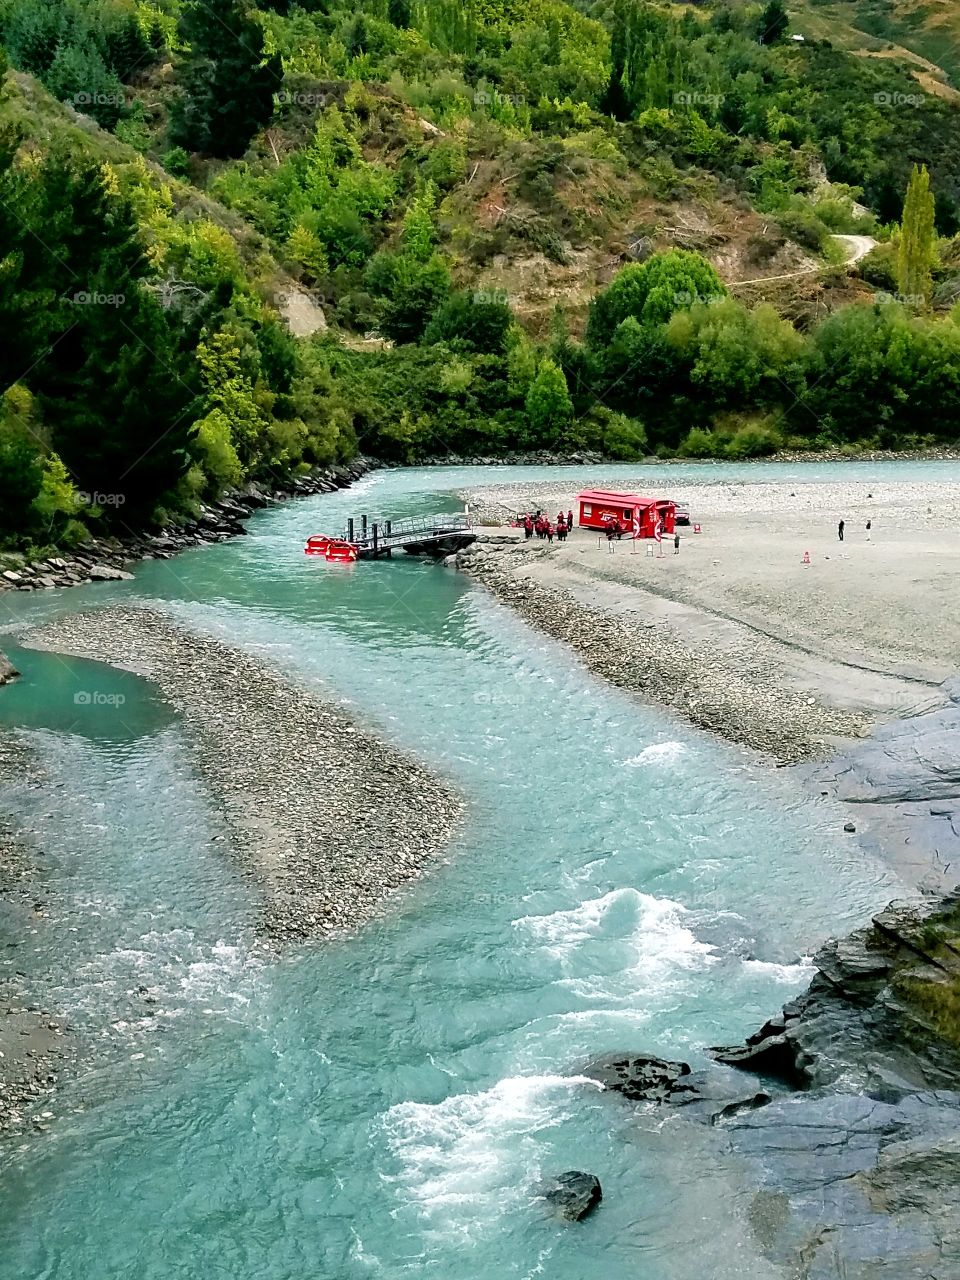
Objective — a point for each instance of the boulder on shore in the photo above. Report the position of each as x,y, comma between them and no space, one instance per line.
574,1194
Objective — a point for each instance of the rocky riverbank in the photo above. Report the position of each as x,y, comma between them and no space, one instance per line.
326,819
35,1047
649,658
844,1110
538,458
110,559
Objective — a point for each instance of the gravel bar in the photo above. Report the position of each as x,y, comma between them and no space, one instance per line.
656,662
35,1048
326,817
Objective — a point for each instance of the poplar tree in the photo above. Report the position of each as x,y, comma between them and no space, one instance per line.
917,252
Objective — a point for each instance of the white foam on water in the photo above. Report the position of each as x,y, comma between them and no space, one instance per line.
658,753
178,973
465,1160
794,974
653,929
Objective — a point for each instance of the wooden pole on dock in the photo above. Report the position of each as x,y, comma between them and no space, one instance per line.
374,537
363,528
350,529
387,530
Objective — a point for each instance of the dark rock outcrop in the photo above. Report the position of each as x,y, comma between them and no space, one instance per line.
640,1079
7,670
574,1194
855,1154
850,1187
871,1012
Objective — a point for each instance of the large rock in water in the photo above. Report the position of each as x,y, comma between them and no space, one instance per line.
641,1079
7,670
855,1169
574,1194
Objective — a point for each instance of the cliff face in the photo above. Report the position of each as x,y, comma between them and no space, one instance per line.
857,1168
883,1010
848,1121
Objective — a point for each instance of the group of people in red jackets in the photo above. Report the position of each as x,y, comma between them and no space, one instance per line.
539,523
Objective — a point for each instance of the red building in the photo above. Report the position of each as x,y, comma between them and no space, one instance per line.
598,507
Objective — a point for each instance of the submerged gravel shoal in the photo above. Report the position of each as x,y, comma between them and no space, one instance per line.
324,815
694,681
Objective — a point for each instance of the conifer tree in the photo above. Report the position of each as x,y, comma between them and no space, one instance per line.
226,80
773,23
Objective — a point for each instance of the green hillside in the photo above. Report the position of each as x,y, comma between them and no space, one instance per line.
240,240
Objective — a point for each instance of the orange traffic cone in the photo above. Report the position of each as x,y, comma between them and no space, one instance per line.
806,558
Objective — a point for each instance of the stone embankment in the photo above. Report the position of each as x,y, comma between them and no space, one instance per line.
642,658
844,1110
325,818
109,559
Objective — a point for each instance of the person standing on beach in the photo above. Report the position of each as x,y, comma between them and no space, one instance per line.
569,520
869,523
676,544
840,530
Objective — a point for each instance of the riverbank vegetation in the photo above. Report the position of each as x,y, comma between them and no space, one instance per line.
509,228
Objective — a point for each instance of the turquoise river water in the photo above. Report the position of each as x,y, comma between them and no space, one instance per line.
385,1105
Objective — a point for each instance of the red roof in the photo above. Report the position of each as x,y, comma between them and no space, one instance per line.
612,498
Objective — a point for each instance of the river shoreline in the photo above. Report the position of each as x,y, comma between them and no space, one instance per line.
36,1047
839,660
326,818
326,821
110,559
900,779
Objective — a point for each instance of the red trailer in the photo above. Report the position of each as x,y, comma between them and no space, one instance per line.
598,507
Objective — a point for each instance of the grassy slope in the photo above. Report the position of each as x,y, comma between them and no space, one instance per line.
923,34
29,110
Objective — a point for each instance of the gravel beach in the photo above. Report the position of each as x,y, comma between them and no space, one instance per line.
736,626
646,655
326,817
35,1048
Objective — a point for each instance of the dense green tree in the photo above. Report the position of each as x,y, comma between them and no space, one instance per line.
399,13
773,23
471,322
651,291
226,79
877,374
79,75
548,404
31,34
412,291
739,357
94,347
21,462
917,253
